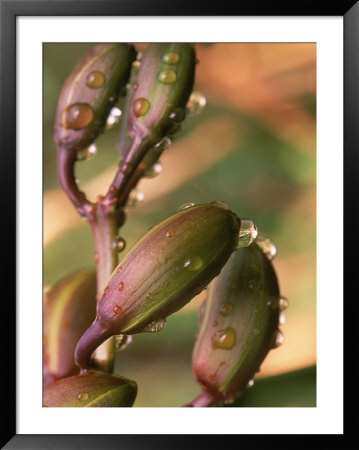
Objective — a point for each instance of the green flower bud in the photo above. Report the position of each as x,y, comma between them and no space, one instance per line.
90,389
89,93
162,88
69,310
239,325
163,271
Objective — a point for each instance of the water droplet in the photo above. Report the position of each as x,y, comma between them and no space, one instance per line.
83,396
121,286
186,206
119,269
163,145
139,56
113,118
282,318
250,383
87,153
278,339
193,263
283,303
247,233
119,243
167,76
117,309
136,64
122,341
135,197
154,327
96,257
154,170
77,116
141,107
225,308
178,115
232,285
171,58
224,339
254,285
105,290
95,79
170,233
267,246
149,296
220,203
135,86
273,302
196,103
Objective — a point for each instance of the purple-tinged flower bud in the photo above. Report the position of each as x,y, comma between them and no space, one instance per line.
69,310
163,271
161,91
90,389
239,326
89,92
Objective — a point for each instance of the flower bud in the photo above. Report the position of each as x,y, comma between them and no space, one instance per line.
239,325
90,389
162,88
69,310
163,271
89,93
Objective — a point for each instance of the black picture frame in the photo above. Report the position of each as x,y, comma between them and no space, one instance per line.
10,9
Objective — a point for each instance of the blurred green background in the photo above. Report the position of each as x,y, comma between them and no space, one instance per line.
254,147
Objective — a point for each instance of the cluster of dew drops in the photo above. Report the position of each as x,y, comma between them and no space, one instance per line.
79,113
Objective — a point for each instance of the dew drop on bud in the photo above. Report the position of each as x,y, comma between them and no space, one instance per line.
282,318
122,341
247,233
119,244
163,144
95,79
225,309
121,286
278,339
170,233
87,153
193,264
83,396
224,339
283,303
77,116
167,76
171,58
154,170
178,115
117,309
267,246
77,181
186,206
141,107
135,197
196,103
136,64
253,285
154,327
250,383
96,257
113,118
